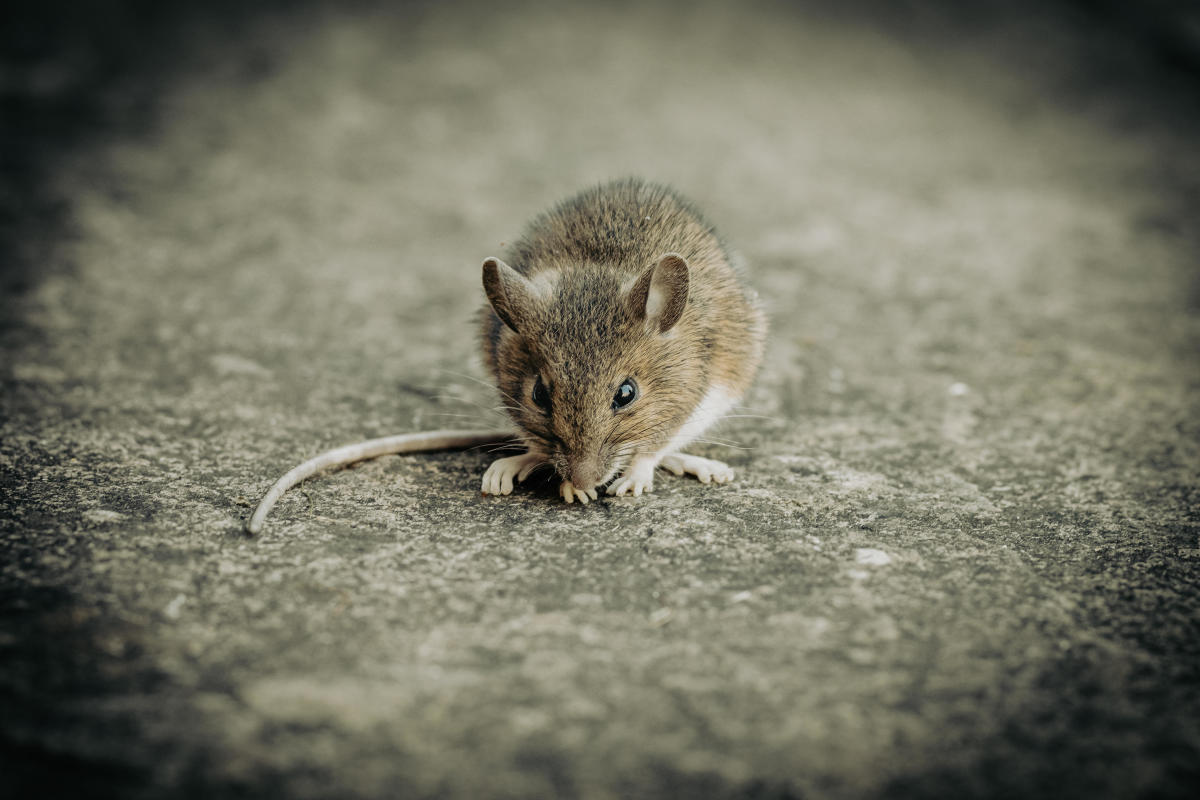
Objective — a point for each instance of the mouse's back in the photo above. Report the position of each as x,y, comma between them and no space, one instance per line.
624,224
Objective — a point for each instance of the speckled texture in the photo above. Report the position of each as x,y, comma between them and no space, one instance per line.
960,555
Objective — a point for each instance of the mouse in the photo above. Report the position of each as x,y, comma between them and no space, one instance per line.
618,328
617,332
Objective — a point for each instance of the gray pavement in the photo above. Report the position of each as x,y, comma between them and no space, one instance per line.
961,553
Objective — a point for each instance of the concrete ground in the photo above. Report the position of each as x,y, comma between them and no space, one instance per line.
960,557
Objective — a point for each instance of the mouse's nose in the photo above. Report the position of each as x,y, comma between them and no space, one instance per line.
584,475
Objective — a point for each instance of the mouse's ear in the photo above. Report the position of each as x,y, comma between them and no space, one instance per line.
660,294
509,292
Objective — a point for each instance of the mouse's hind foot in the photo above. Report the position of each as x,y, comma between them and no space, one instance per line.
705,469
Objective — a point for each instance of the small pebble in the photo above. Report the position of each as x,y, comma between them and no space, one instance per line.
661,617
872,557
173,608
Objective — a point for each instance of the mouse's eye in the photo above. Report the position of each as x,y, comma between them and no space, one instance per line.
626,394
541,396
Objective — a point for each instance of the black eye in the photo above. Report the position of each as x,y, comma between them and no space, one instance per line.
541,397
626,394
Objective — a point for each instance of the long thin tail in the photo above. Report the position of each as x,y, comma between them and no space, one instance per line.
373,448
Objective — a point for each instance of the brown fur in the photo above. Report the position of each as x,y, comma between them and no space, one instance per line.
591,263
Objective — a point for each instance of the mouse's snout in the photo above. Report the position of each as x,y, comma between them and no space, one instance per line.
584,473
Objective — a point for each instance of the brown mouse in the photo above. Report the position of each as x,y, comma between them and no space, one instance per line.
618,331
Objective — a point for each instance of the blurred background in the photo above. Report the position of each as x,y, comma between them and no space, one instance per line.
961,553
77,71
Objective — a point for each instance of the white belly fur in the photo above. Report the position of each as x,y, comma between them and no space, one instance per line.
714,405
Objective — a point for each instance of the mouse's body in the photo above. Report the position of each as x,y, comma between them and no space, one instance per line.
617,333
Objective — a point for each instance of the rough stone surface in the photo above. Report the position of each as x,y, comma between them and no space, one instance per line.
961,553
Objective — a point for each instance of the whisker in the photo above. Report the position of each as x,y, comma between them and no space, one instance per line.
465,377
490,386
464,401
716,440
722,444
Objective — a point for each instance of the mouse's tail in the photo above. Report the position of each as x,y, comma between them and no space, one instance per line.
373,448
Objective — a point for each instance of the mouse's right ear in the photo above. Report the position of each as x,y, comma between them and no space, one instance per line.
660,295
511,295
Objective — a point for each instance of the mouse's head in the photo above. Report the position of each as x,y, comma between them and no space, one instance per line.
593,370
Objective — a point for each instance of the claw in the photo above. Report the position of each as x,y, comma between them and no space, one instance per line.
570,493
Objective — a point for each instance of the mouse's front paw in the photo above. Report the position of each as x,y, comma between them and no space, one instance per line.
638,478
499,476
705,469
570,493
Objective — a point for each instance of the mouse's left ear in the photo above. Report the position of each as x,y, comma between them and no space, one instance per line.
661,293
